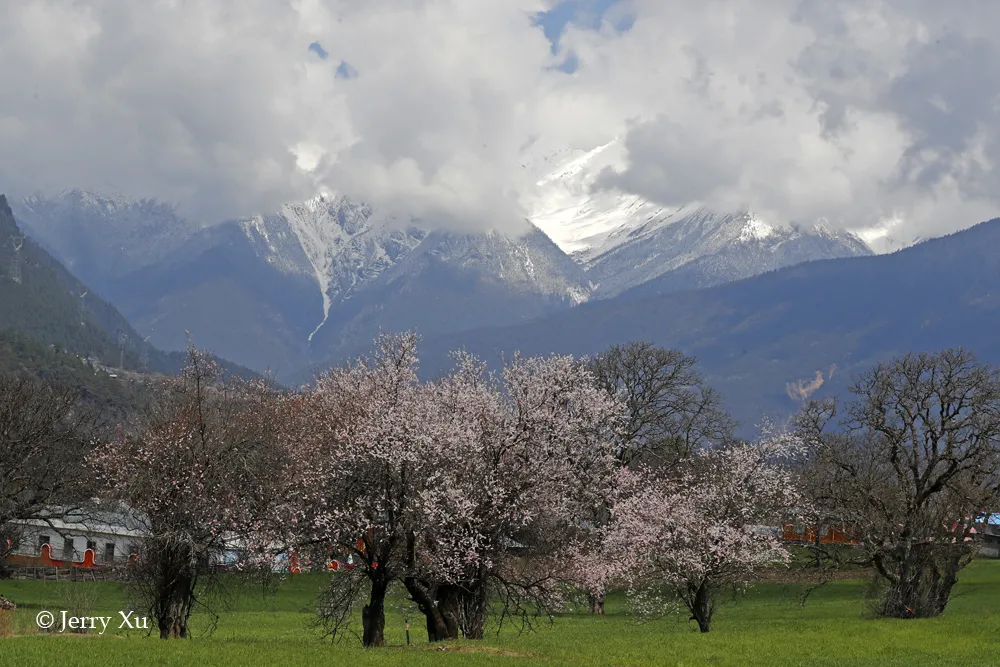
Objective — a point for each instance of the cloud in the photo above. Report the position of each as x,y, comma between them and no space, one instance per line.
858,111
801,390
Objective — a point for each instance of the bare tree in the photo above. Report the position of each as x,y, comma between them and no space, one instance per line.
200,476
914,466
671,412
45,434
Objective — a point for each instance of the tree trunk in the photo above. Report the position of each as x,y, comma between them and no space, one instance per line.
174,574
440,614
473,618
449,598
946,582
701,606
595,600
923,585
373,616
174,607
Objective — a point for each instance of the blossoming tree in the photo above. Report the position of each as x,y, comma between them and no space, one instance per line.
433,485
705,529
199,477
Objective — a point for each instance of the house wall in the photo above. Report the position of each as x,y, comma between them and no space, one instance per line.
30,543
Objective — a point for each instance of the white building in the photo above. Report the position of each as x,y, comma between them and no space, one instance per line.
111,535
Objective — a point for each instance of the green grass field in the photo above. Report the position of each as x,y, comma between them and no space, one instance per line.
767,627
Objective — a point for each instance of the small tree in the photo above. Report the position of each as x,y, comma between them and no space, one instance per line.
45,434
670,414
705,529
200,477
916,463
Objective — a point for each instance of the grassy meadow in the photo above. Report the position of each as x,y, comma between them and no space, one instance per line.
766,627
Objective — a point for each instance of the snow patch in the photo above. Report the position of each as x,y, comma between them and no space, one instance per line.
755,229
318,236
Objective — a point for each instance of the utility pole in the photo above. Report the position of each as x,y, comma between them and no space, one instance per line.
122,342
84,308
144,353
17,242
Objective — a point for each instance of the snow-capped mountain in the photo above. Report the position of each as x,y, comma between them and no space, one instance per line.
695,247
624,241
344,246
103,235
314,280
374,271
564,203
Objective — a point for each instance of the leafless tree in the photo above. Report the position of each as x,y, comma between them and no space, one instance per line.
201,477
45,433
671,412
915,464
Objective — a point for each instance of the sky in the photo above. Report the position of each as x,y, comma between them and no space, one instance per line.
855,111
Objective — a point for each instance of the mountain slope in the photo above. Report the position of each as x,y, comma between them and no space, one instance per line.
455,282
53,307
51,312
767,341
101,237
283,291
701,249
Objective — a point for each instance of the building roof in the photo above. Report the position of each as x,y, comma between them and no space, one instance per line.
95,519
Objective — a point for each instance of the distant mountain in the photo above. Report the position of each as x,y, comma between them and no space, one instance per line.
697,248
769,341
624,241
311,281
455,282
102,237
49,312
50,305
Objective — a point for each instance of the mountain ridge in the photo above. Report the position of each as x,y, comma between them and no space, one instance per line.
756,337
49,316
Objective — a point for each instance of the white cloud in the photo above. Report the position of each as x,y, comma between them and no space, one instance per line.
853,110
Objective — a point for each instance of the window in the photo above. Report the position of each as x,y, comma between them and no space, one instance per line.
92,546
42,541
68,548
109,552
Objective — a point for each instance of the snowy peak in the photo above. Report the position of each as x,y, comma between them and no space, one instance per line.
347,248
623,240
333,239
709,248
755,229
564,203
